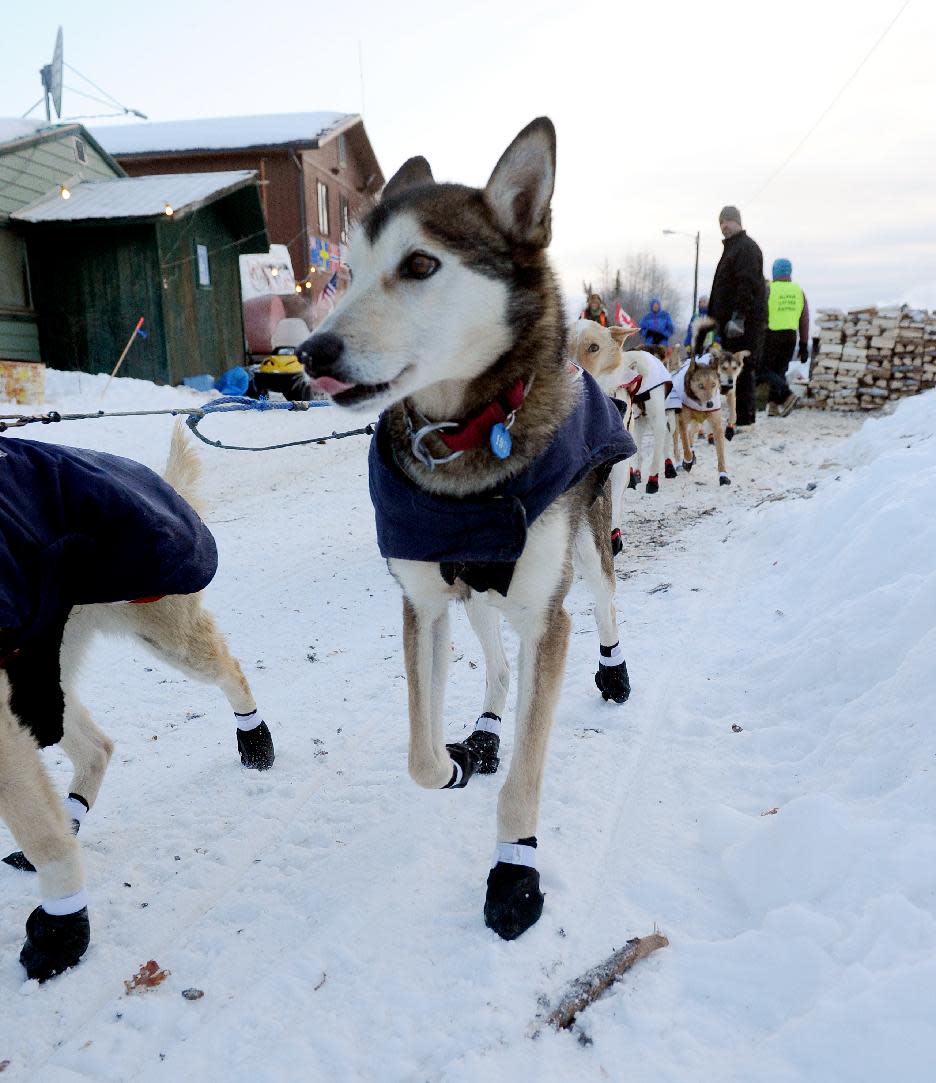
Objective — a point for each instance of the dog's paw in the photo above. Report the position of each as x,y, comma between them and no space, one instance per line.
729,432
711,438
513,901
54,944
463,765
723,479
613,682
653,483
669,470
483,747
688,464
617,545
634,479
256,747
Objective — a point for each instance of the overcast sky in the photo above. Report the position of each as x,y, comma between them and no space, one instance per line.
665,111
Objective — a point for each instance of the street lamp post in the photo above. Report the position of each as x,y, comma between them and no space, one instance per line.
695,280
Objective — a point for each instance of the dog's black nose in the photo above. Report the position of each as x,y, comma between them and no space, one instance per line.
320,353
709,404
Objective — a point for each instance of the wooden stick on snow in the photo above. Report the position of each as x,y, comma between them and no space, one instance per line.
586,989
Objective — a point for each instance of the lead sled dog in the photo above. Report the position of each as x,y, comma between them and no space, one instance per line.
487,470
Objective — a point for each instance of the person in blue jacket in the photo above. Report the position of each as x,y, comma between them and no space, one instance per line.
657,326
702,311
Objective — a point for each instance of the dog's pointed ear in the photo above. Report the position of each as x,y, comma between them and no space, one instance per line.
620,334
412,172
742,355
521,187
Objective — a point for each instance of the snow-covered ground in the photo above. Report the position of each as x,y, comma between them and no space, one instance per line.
767,797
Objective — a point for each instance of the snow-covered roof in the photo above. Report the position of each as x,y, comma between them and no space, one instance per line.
223,133
13,128
134,197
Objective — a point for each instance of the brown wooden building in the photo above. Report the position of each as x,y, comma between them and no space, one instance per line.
317,173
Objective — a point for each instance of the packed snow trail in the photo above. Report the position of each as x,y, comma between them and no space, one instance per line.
330,910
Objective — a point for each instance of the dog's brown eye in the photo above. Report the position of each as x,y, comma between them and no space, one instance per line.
593,348
419,265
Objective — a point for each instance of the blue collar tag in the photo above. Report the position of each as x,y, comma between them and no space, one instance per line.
501,440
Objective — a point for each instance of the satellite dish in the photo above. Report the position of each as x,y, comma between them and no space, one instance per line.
52,78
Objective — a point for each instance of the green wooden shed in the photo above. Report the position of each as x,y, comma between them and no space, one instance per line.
36,158
164,248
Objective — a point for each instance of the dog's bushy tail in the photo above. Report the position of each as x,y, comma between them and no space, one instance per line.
701,326
183,468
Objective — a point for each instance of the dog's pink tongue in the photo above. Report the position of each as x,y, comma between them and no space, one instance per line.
329,385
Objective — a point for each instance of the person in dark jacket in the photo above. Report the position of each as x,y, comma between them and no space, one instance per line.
738,304
76,527
595,310
657,325
787,319
700,312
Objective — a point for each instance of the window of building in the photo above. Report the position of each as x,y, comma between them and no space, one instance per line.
14,272
322,194
342,152
344,212
202,266
80,150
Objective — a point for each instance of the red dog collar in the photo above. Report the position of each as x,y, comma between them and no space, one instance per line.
476,431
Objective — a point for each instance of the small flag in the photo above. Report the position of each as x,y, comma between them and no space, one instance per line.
331,288
622,319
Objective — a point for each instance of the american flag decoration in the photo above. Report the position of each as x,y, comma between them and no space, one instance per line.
331,288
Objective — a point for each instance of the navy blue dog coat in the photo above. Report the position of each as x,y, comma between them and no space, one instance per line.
78,527
488,530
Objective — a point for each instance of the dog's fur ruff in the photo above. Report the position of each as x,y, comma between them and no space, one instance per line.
180,631
445,343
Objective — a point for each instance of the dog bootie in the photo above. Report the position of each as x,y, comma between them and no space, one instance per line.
723,479
484,743
634,480
689,464
612,679
513,901
255,746
729,432
711,438
53,943
669,470
617,545
463,765
653,483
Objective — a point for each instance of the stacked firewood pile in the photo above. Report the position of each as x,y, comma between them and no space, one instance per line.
868,356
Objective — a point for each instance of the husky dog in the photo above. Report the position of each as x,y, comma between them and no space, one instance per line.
35,708
487,468
696,399
637,375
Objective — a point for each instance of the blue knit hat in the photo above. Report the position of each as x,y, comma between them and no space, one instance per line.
782,268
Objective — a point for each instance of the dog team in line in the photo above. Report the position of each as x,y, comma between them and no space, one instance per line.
496,472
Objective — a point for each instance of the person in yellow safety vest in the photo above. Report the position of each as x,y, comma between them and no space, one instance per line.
787,319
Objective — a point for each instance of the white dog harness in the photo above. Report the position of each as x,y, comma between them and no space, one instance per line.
678,397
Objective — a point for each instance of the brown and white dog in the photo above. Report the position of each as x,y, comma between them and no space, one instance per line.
453,325
696,400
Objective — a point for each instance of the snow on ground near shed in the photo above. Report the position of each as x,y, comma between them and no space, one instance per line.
331,910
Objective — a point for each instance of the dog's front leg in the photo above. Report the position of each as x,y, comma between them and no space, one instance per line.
484,742
732,413
719,432
514,901
656,415
57,931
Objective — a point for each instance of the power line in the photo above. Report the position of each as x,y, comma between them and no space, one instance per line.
786,161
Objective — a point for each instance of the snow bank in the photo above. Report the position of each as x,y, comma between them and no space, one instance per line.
331,910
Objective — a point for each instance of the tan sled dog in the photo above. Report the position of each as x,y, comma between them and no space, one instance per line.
486,470
697,388
180,631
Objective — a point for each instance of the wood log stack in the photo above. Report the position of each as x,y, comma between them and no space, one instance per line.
869,356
